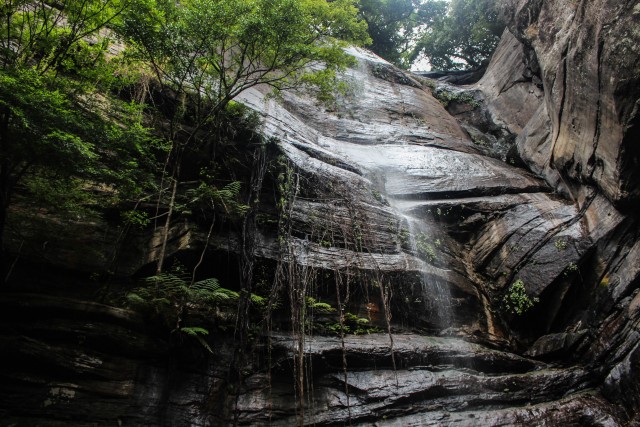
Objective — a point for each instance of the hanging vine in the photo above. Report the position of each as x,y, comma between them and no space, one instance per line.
335,222
248,239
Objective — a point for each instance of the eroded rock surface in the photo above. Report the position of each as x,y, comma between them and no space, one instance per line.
391,189
588,59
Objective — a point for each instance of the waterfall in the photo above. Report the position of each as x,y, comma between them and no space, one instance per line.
436,296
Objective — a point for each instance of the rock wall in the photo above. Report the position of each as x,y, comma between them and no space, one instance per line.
588,59
581,136
392,194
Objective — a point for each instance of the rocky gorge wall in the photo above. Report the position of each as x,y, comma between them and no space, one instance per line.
410,206
586,58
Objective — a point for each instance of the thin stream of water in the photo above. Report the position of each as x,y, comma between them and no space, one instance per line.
416,235
436,295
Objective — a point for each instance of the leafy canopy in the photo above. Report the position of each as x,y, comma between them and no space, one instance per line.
63,137
452,35
48,129
49,35
212,50
204,53
394,25
464,38
53,122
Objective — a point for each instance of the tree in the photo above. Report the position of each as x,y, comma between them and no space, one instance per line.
464,38
52,127
394,25
204,53
44,35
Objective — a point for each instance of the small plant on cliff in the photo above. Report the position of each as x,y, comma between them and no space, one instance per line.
560,244
404,235
516,301
171,297
570,269
426,250
446,97
136,218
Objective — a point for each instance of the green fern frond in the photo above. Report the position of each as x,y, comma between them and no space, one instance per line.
234,187
258,300
135,299
320,306
229,192
219,296
167,284
211,284
164,280
228,294
323,307
226,197
160,301
204,344
198,333
209,290
194,331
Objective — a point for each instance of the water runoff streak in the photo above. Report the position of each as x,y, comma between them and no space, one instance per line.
397,170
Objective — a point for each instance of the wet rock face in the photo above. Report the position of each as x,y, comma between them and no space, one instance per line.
391,173
511,87
391,192
435,381
78,363
586,307
588,57
496,225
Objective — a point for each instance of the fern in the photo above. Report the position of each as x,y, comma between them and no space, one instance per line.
319,306
135,299
226,196
170,296
228,192
194,331
258,300
198,333
209,290
168,288
165,284
210,284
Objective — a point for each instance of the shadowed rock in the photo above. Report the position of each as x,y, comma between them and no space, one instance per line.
392,186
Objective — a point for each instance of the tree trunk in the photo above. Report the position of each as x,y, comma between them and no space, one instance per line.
5,186
167,224
3,257
246,264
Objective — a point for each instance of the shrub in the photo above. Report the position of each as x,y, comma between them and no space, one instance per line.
516,301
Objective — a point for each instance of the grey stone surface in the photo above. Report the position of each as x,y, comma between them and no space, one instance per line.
382,170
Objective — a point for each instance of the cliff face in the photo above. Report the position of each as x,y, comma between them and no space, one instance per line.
578,69
586,54
395,209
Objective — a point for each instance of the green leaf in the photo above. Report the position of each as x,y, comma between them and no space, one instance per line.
194,331
134,298
198,333
516,301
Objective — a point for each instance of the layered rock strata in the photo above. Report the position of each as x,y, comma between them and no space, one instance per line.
390,185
